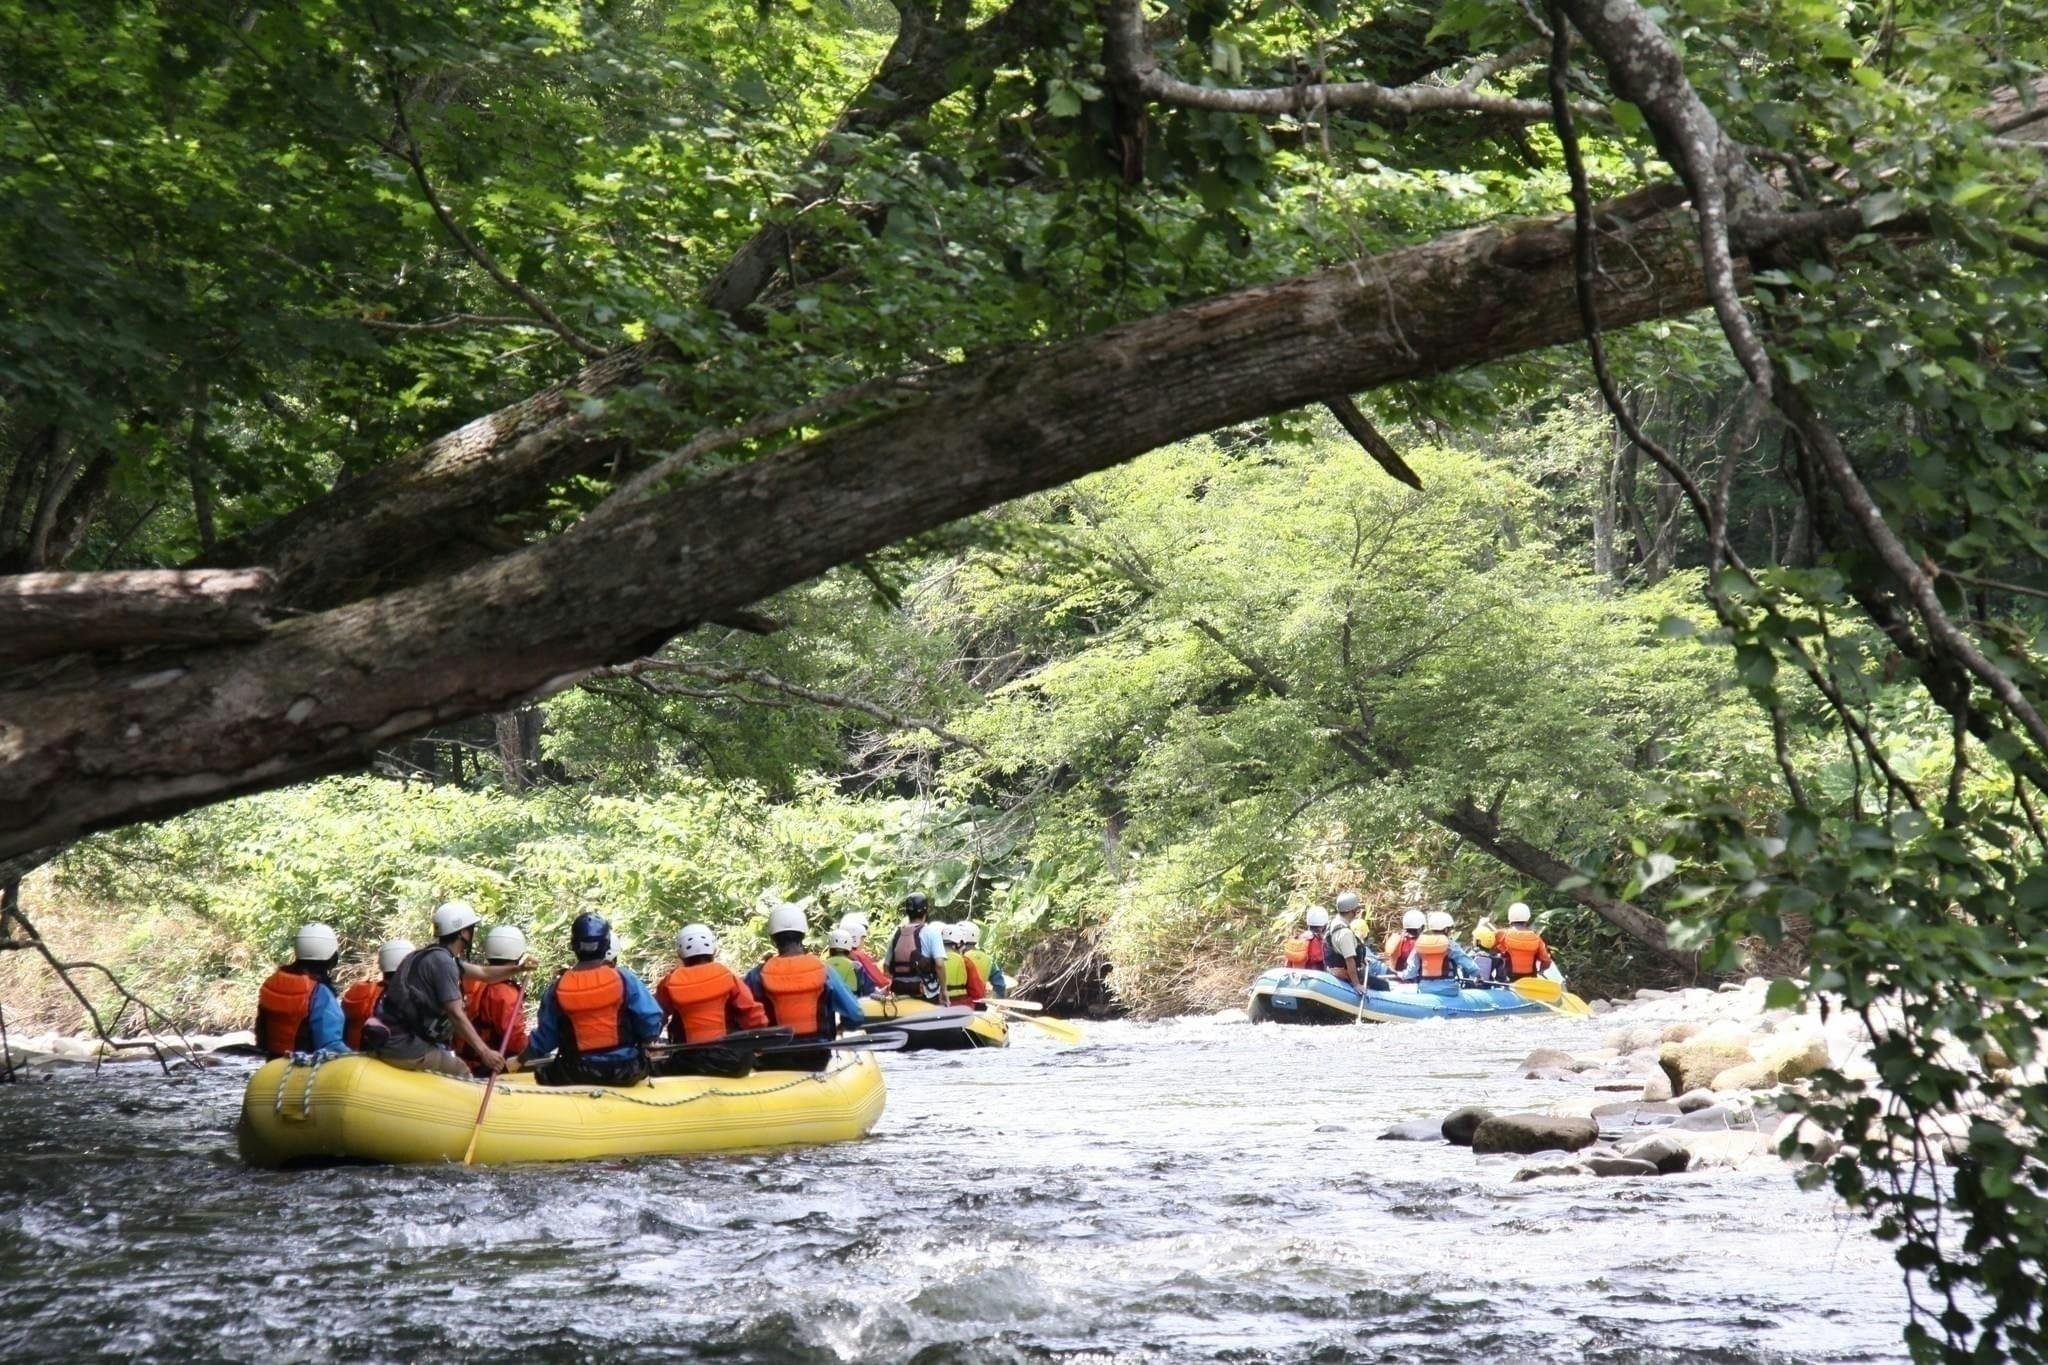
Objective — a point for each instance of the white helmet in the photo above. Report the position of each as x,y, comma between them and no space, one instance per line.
949,934
1347,902
453,917
1318,917
1412,920
970,932
1518,913
840,939
1440,921
315,943
787,919
505,944
393,953
855,923
696,940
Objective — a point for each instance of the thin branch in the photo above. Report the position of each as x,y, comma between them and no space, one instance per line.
757,677
1130,61
457,320
409,152
1994,584
1353,420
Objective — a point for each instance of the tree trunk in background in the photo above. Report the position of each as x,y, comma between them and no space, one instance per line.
519,746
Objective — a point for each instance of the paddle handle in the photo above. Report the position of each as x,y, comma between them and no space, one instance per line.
491,1085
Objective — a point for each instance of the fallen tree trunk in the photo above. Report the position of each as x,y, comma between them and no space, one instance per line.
317,695
44,614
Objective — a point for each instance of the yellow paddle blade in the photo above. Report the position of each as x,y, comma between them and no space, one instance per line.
1572,1004
1021,1006
1058,1028
1539,989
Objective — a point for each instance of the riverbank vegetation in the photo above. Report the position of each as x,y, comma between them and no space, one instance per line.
690,453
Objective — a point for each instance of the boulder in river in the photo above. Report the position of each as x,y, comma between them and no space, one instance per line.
1619,1165
1656,1087
1792,1054
1459,1125
1679,1033
1734,1148
1647,993
1814,1142
1553,1168
1714,1118
1600,1006
1668,1154
1748,1076
1550,1058
1525,1133
1693,1065
1413,1130
1632,1037
1695,1099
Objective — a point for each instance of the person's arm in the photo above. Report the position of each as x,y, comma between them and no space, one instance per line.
1542,954
996,980
547,1029
641,1009
490,1057
1413,971
325,1023
843,1003
503,971
1464,963
743,1004
932,946
976,987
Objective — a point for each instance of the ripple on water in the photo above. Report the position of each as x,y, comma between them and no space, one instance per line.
1189,1190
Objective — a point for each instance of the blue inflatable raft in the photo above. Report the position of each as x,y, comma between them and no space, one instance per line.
1293,995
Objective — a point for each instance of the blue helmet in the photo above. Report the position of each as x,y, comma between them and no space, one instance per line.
590,936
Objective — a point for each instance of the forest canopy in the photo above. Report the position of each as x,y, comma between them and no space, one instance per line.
1601,452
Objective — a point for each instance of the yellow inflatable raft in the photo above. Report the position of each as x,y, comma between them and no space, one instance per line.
986,1029
358,1108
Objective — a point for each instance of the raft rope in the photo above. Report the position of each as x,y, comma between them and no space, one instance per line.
312,1070
593,1092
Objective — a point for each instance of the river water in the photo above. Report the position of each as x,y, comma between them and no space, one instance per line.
1199,1189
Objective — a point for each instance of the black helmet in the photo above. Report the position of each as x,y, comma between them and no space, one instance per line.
915,905
590,936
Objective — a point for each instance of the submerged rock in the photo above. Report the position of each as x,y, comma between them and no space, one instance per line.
1619,1165
1550,1058
1695,1099
1459,1125
1554,1168
1524,1133
1732,1148
1413,1130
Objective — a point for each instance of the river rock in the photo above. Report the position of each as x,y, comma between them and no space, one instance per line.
1524,1133
1459,1125
1619,1165
1714,1118
1600,1006
1549,1169
1632,1037
1623,1085
1656,1086
1679,1033
1647,993
1692,1065
1748,1076
1550,1058
1659,1111
1694,1099
1734,1148
1668,1154
1549,1073
1413,1130
1814,1143
1793,1054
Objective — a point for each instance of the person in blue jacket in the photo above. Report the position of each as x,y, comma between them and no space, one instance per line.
296,1009
795,986
1438,962
598,1018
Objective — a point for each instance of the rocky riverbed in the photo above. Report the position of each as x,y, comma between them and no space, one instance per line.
1686,1080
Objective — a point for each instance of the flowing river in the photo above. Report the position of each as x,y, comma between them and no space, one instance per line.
1199,1189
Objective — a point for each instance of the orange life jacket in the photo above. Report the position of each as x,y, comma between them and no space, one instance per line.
282,1006
593,999
496,1011
793,989
1435,952
358,1003
1525,950
695,997
1305,952
1399,946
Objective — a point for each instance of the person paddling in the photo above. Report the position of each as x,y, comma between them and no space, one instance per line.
1345,955
496,1008
840,961
1309,952
856,925
1400,948
359,1002
296,1008
964,983
796,988
1488,962
917,955
1438,962
1522,947
704,999
422,1014
991,971
597,1017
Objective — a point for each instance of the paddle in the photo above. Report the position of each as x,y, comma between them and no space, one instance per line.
1550,994
750,1038
491,1085
884,1042
949,1017
1004,1002
1058,1028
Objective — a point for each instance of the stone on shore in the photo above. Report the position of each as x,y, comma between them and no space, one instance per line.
1459,1125
1525,1133
1793,1054
1695,1099
1748,1076
1656,1087
1550,1058
1693,1065
1679,1033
